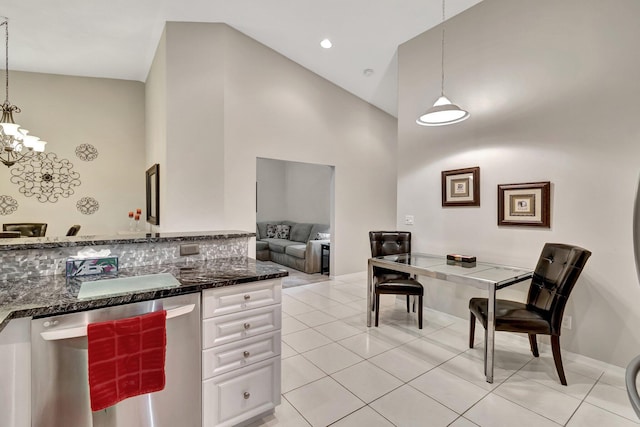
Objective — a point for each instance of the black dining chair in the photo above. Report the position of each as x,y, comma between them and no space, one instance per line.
73,230
27,229
557,271
387,281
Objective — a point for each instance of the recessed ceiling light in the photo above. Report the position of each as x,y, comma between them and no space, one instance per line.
326,43
368,72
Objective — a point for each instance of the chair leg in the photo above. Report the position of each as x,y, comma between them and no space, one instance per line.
472,328
534,345
420,312
377,308
557,358
408,303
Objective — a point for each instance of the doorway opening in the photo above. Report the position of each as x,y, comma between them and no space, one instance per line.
295,215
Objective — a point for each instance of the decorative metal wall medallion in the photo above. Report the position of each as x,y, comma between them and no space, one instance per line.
88,205
8,205
86,152
46,177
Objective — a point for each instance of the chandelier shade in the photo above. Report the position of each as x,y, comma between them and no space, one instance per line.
15,143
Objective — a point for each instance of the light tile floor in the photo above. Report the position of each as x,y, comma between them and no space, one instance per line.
338,372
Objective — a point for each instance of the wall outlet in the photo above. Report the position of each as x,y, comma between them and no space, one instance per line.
566,322
408,220
190,249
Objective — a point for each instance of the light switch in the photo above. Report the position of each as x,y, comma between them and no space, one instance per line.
408,219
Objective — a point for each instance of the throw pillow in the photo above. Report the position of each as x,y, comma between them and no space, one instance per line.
322,236
271,231
282,231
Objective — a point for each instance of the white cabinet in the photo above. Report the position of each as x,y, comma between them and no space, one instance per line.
241,352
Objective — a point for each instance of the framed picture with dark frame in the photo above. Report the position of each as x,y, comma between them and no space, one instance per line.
527,204
461,187
153,194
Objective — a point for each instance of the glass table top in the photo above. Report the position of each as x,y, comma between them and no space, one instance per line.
437,266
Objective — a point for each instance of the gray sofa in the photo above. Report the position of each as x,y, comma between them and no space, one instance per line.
300,251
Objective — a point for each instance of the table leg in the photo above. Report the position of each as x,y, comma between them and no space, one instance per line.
369,292
491,331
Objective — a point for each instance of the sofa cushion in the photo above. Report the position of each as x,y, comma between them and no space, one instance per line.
318,228
300,232
262,227
297,251
261,245
272,231
283,231
279,245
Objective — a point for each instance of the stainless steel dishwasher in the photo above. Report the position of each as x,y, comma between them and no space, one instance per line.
60,385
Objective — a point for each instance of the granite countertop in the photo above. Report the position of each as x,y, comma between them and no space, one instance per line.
53,295
95,240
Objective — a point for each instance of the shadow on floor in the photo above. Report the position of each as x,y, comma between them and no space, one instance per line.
295,277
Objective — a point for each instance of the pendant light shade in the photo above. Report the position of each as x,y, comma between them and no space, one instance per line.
444,112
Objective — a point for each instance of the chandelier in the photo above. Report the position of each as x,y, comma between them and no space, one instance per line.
443,112
15,143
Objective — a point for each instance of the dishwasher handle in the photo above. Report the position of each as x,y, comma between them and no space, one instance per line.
81,331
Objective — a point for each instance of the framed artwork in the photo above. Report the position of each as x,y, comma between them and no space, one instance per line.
461,187
153,194
525,204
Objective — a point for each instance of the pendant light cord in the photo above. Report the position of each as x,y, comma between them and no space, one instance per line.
442,53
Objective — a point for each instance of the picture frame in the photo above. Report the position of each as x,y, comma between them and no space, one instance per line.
461,187
153,194
526,205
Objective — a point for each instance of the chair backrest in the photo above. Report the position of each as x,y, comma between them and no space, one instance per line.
389,242
73,230
557,271
27,229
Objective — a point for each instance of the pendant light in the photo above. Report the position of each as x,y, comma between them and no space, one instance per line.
15,145
443,112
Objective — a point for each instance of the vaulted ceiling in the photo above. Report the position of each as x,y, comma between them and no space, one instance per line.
117,39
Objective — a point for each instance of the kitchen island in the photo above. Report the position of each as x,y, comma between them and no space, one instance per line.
219,264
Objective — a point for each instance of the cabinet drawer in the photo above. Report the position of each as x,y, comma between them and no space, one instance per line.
231,299
231,398
225,358
232,327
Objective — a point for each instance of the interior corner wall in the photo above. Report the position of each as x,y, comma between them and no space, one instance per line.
156,119
552,89
271,187
67,111
293,191
276,109
187,82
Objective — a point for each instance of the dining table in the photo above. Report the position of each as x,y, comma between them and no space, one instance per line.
487,276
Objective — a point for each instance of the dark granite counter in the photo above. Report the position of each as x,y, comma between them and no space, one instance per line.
53,295
62,241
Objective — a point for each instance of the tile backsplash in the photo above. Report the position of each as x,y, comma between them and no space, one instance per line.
23,263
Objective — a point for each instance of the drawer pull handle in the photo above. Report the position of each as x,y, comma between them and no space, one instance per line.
246,354
247,297
247,395
247,325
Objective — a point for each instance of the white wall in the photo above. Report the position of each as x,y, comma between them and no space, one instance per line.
272,108
293,191
271,178
298,116
68,111
552,88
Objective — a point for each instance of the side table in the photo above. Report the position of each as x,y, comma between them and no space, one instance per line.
325,251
